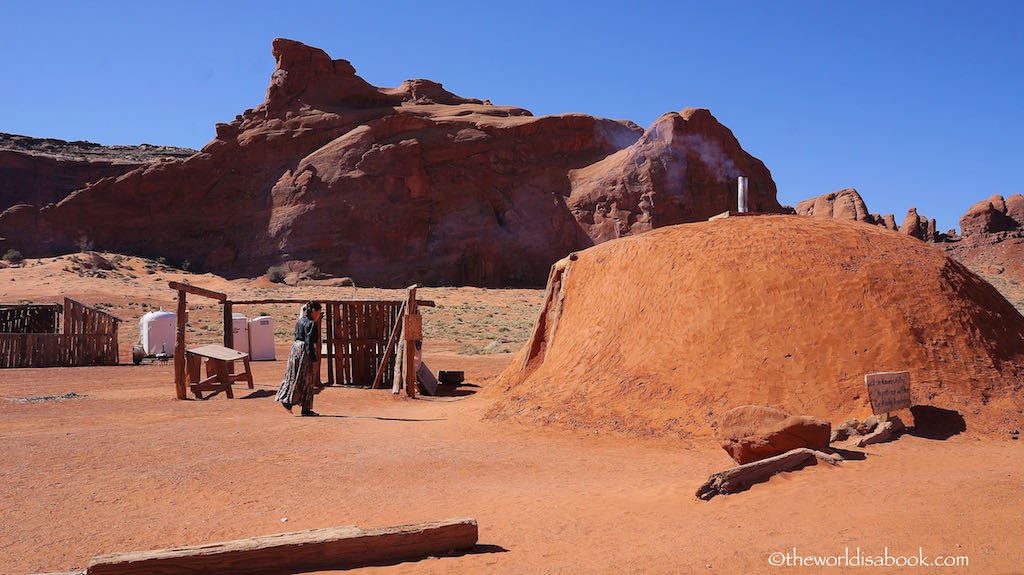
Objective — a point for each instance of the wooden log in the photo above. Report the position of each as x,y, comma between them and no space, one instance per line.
189,288
314,549
742,477
179,349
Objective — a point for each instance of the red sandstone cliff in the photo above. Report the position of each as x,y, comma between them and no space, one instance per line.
395,185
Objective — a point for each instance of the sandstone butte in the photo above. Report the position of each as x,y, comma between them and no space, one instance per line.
398,185
662,333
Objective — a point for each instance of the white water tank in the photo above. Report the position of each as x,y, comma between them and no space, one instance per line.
261,338
156,332
240,331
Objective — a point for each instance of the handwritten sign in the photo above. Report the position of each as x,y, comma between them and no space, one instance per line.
888,391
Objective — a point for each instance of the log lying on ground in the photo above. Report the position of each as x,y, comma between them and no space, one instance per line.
331,548
740,478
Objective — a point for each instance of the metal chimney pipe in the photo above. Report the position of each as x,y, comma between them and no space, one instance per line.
741,190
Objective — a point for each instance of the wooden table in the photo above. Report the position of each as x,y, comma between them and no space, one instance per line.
219,376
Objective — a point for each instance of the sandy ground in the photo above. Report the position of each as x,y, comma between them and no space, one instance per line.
127,467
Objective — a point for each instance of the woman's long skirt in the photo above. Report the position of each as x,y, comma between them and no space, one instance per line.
299,382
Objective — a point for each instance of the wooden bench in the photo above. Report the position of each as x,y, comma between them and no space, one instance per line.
219,363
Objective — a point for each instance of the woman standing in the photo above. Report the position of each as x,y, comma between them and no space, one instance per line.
301,377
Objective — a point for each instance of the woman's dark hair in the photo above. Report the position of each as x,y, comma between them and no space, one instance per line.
312,307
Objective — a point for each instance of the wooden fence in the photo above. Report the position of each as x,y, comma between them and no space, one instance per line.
89,338
357,334
30,318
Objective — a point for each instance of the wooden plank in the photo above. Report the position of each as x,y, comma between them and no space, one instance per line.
420,302
214,351
329,338
387,354
314,549
410,347
179,349
189,288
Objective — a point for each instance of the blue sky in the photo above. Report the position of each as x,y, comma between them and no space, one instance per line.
912,103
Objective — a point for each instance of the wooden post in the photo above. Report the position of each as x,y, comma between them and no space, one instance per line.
179,349
410,343
319,352
329,328
229,326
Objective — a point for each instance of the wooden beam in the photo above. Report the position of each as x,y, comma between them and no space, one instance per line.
315,549
329,335
420,302
229,326
387,350
410,345
198,291
179,348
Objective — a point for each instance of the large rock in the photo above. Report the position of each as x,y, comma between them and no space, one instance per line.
842,205
683,169
752,432
847,204
994,215
392,186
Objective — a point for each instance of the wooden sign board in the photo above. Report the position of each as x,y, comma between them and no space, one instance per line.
888,391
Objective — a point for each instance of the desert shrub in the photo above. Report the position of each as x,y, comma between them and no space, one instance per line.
275,274
13,256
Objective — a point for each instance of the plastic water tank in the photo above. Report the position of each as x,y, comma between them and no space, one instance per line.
156,332
261,338
240,329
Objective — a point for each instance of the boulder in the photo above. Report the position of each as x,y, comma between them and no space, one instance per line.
994,215
752,432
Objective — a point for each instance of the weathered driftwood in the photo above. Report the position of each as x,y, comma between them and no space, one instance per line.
332,548
742,477
886,431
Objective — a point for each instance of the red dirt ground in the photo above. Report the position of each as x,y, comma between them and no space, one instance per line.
127,467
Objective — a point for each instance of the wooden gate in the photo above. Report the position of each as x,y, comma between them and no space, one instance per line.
357,338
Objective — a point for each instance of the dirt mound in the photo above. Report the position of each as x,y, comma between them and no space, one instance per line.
664,332
391,186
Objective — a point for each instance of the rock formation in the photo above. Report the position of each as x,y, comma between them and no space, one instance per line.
391,186
992,244
38,171
848,205
683,169
993,216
